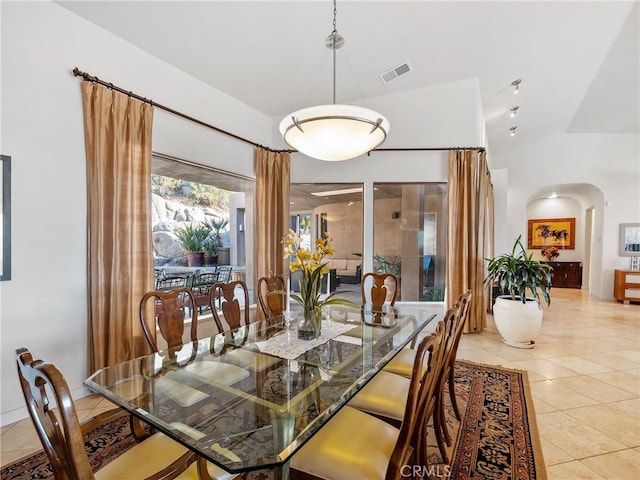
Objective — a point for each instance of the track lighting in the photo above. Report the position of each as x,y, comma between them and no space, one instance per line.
514,111
513,131
516,85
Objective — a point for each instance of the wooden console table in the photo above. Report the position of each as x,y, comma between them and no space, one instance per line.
626,286
566,274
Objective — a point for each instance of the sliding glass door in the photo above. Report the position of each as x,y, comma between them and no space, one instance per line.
409,237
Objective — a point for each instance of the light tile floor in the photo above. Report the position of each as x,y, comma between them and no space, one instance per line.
584,373
585,381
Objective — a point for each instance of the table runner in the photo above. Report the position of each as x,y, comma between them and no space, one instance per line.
294,347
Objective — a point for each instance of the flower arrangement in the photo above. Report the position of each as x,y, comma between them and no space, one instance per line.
550,253
313,269
312,266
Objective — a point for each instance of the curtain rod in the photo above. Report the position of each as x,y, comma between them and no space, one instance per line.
91,78
94,79
427,149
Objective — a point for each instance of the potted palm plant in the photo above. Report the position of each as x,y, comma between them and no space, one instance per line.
217,225
518,317
210,251
192,238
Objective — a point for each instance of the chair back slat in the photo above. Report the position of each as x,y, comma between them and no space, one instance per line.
378,289
234,315
272,305
60,433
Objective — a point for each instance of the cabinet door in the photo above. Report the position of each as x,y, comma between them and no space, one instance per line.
558,274
572,275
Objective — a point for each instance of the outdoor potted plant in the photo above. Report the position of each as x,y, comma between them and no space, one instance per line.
217,225
192,238
517,317
210,251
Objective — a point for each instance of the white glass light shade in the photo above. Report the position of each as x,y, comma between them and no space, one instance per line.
334,132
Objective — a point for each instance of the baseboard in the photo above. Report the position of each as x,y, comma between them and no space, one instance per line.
20,413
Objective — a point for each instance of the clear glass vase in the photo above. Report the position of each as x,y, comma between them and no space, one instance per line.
309,323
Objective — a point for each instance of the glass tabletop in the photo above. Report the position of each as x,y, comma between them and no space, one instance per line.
228,399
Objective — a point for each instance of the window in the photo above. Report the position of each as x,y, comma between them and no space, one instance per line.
336,209
186,192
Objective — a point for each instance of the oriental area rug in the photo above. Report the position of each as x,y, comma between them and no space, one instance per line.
497,438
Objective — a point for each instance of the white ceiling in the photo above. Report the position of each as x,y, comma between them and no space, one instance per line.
578,60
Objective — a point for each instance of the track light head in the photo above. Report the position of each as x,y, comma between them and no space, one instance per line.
516,85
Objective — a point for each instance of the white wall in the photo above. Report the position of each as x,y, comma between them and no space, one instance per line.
608,163
44,306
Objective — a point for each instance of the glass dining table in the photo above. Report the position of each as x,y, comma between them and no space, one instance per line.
250,398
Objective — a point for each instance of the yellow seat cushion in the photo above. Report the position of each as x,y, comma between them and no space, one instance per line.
402,363
255,361
385,395
184,395
352,445
151,456
217,372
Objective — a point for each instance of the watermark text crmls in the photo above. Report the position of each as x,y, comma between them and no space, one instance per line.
425,471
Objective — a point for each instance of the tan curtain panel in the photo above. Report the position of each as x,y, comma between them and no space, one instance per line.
470,230
119,259
273,172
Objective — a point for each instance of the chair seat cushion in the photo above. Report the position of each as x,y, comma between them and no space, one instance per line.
255,361
151,456
375,332
385,395
184,395
351,445
217,372
402,363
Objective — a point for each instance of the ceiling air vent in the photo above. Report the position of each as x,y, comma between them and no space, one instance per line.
395,72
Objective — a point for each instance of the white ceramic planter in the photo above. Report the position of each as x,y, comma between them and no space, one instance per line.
518,323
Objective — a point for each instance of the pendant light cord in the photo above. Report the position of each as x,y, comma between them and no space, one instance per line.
334,34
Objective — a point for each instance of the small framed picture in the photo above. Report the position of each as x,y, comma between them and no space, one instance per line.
629,240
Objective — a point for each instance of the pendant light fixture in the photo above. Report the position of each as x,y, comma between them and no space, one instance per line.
334,132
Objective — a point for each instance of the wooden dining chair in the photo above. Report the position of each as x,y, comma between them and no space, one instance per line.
385,395
61,435
402,363
354,444
379,289
272,305
231,315
168,317
464,307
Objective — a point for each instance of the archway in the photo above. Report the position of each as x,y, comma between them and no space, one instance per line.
585,203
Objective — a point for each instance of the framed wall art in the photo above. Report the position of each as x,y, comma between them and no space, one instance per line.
629,240
552,232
